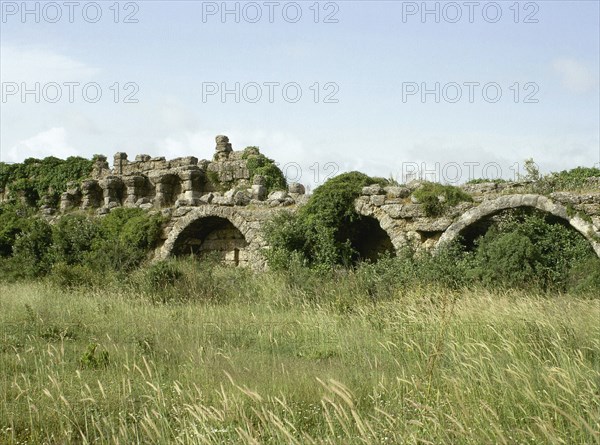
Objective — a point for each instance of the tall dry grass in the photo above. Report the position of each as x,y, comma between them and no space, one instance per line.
260,359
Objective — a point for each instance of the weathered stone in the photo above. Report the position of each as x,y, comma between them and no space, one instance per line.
259,192
223,145
397,192
296,187
242,198
377,200
482,188
223,200
431,225
278,195
143,201
414,184
185,189
206,199
374,189
394,210
259,180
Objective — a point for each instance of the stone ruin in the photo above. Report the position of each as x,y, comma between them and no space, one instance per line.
218,206
155,183
175,186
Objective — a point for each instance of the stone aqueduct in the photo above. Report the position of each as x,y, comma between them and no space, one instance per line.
221,206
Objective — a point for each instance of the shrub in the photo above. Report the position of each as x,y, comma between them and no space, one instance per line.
31,249
34,178
572,179
90,360
585,277
436,198
73,238
259,164
14,219
485,180
321,234
69,276
505,259
530,249
163,274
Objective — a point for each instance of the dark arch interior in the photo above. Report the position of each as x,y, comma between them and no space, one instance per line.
368,239
213,236
471,233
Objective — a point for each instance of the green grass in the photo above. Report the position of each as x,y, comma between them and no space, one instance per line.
274,363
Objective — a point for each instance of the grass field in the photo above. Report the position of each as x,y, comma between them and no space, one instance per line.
271,364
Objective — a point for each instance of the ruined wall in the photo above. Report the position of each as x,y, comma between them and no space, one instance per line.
218,206
403,217
156,183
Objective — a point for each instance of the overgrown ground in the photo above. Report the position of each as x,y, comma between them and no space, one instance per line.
279,358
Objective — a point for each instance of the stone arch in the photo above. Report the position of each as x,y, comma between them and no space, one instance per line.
202,221
386,223
369,239
539,202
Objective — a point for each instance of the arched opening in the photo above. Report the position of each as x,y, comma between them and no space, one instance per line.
368,239
213,235
471,233
477,220
526,246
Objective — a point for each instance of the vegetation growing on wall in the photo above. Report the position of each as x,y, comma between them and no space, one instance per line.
323,232
527,249
436,198
572,179
35,178
521,249
575,179
259,164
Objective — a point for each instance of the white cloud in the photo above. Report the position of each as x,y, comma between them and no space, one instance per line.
31,64
52,142
575,76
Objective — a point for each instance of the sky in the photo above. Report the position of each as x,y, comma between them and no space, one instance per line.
446,91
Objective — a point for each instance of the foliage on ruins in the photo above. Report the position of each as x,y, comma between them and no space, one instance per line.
579,178
322,232
526,249
436,198
259,164
35,178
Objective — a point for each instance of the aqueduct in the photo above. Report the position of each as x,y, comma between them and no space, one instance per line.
221,206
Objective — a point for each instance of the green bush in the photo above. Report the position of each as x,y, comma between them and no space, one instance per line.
163,274
117,243
68,276
31,249
572,179
14,219
585,277
34,178
90,360
323,232
73,238
436,198
259,164
529,249
485,180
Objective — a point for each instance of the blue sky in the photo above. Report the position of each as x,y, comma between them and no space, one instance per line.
367,58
